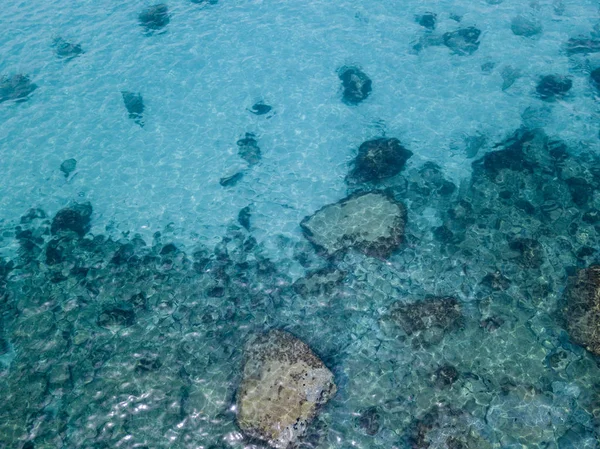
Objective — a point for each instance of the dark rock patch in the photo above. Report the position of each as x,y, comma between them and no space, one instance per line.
230,181
464,41
146,365
356,85
66,50
205,2
369,421
33,214
134,104
68,166
443,313
551,87
427,20
117,316
582,308
581,191
531,254
16,87
496,281
524,26
595,78
512,157
249,150
74,218
582,46
378,159
260,108
445,376
155,17
244,217
591,216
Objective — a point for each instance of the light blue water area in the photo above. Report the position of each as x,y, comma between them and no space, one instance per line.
110,336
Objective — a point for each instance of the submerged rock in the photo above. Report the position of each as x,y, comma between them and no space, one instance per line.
155,17
441,313
260,108
356,84
283,385
229,181
553,86
68,167
16,87
369,421
378,159
248,149
464,41
523,26
582,46
244,217
595,78
205,2
134,104
75,218
582,308
372,223
427,20
66,49
531,253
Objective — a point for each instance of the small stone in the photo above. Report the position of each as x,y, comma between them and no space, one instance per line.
445,376
260,108
283,385
356,84
372,223
68,167
244,217
66,50
229,181
526,27
369,421
427,20
530,251
582,46
464,41
249,150
134,104
553,86
75,218
595,78
443,313
378,159
16,87
155,17
117,316
488,67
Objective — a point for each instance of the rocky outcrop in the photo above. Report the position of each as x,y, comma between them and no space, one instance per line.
582,308
283,385
372,223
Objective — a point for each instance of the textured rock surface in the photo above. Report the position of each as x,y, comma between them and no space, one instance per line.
283,384
372,223
378,159
582,309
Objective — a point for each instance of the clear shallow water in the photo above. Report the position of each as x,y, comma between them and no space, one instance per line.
73,383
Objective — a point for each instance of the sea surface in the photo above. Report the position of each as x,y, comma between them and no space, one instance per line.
155,173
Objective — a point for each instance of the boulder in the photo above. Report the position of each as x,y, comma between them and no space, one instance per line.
16,87
582,308
249,150
356,84
524,26
464,41
371,222
284,383
553,86
65,49
155,17
75,219
134,103
378,159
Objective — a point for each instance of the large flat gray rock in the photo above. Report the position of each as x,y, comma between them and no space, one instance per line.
283,385
372,223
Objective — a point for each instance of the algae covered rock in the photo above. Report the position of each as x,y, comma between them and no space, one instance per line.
371,222
283,385
378,159
582,308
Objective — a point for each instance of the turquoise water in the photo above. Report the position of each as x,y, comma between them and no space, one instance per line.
129,332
